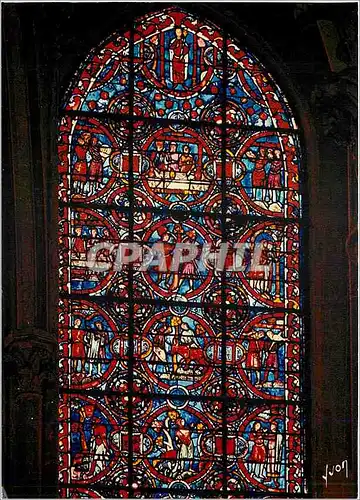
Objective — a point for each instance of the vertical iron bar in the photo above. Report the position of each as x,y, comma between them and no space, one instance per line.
130,269
223,272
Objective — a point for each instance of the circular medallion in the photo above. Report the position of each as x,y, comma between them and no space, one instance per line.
235,206
91,148
263,349
119,288
260,429
174,72
121,199
94,242
173,277
90,428
179,169
264,181
236,303
118,403
91,332
142,108
234,118
264,275
178,345
183,431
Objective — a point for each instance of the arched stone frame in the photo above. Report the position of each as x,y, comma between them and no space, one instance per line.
26,316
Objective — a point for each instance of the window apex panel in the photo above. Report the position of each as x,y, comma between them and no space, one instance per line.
182,380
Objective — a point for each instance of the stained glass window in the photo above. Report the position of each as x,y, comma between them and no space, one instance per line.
179,381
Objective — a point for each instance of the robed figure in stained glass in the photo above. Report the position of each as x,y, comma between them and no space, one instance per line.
179,57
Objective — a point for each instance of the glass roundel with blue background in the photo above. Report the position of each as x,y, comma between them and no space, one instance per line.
183,383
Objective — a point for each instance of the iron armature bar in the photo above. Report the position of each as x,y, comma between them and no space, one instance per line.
194,397
216,366
231,366
175,459
241,402
223,275
166,303
146,244
183,213
117,117
131,328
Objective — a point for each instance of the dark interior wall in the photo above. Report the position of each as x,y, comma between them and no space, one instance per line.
43,44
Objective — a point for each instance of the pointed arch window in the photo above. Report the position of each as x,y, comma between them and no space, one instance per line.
183,382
